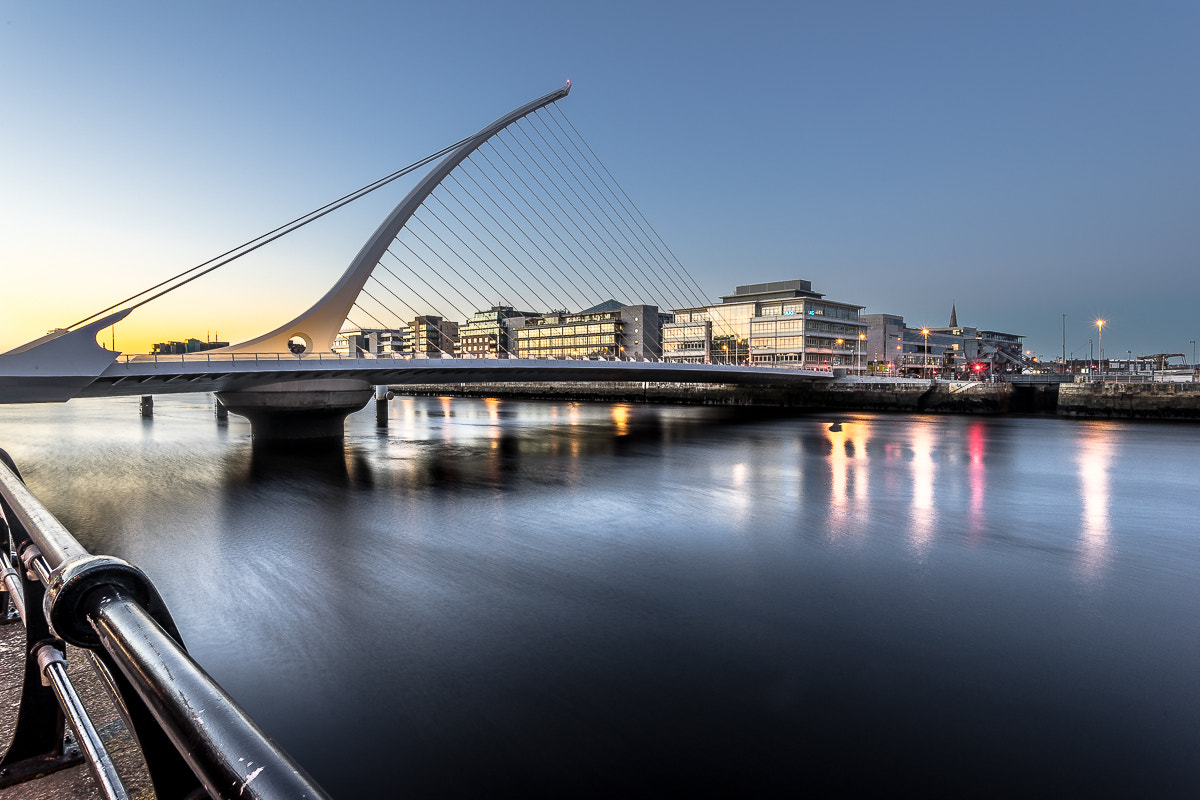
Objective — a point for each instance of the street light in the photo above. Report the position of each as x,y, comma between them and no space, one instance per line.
1100,343
925,356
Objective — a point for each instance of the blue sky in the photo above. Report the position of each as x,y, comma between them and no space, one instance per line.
1020,159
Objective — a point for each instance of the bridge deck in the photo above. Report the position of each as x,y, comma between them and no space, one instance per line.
197,373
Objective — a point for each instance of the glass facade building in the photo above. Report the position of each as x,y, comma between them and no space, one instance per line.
783,323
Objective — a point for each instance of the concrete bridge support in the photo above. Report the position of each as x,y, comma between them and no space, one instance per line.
382,396
296,411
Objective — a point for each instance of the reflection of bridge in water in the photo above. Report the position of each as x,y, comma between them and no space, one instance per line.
537,219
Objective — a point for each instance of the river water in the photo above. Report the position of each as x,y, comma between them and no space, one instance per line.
566,599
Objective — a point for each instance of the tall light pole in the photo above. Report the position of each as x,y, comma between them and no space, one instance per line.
1064,358
862,353
1192,342
925,356
1100,342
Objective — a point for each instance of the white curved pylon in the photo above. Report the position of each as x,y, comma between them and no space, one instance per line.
319,326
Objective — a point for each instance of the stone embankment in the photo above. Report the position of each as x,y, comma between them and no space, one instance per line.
1105,399
1095,400
849,395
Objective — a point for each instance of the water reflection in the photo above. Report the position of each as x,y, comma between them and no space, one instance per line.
620,416
1093,460
922,516
575,586
977,478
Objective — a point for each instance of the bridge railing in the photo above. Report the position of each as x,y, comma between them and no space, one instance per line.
277,358
197,742
205,356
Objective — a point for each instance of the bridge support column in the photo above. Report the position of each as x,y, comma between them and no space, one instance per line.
296,411
147,406
382,395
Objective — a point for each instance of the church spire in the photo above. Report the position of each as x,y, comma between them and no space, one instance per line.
953,316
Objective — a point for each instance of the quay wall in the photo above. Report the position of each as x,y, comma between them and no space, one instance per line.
914,396
1095,400
1104,399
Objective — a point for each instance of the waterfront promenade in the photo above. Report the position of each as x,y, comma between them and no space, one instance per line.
73,783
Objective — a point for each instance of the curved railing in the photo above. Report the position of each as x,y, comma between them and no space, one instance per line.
197,742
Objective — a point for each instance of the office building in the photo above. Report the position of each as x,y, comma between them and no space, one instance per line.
609,330
781,323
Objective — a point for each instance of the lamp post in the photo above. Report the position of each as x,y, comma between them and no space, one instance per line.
1064,343
1192,342
862,352
841,343
925,355
1100,342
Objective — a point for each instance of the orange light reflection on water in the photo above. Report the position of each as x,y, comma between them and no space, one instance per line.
620,415
849,480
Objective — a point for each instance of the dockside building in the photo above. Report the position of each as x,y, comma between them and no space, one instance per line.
781,323
609,330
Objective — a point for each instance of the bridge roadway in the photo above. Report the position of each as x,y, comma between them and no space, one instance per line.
201,372
142,375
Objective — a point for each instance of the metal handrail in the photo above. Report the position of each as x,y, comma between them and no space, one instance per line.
111,607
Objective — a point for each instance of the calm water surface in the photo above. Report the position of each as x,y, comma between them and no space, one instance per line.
496,597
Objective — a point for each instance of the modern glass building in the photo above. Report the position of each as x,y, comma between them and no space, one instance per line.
489,334
609,330
782,323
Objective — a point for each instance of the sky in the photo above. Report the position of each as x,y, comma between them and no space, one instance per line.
1018,160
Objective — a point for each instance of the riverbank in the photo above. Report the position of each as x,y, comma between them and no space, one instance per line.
1095,400
916,396
1114,400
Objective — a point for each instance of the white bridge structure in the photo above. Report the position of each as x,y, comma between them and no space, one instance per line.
305,394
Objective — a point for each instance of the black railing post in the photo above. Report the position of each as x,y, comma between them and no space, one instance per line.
37,744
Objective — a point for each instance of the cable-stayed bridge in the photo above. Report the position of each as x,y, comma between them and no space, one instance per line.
523,213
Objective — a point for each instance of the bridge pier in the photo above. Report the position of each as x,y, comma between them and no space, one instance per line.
382,395
296,411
